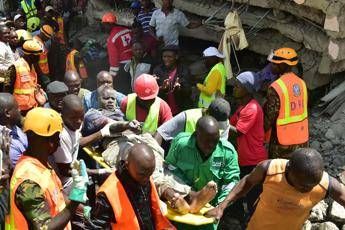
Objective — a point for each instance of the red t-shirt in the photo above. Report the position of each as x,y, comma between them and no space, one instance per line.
249,121
164,111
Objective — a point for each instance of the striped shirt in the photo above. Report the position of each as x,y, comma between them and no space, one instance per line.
144,19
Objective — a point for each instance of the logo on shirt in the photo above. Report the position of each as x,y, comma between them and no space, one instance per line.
296,90
217,162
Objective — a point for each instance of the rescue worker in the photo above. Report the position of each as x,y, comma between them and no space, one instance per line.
46,33
202,157
128,198
186,121
215,82
73,82
26,91
118,43
74,60
53,14
29,8
286,110
145,106
291,188
36,199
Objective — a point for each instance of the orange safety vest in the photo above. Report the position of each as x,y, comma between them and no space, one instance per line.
43,61
292,122
25,85
60,35
123,210
281,206
29,168
70,65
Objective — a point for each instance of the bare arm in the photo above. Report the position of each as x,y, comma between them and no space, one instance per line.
257,176
158,138
62,219
117,127
337,191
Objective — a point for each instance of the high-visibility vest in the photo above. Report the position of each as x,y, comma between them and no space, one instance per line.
292,122
60,35
281,206
204,99
43,61
25,85
29,168
151,121
70,65
30,10
123,210
192,117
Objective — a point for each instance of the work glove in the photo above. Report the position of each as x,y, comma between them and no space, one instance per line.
105,131
80,182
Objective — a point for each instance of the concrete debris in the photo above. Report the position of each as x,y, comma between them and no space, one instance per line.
327,226
317,26
319,212
327,146
337,213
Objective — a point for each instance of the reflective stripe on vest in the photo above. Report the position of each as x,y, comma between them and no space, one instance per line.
30,11
25,85
292,122
29,168
43,60
204,99
287,110
122,208
192,117
286,208
151,121
70,65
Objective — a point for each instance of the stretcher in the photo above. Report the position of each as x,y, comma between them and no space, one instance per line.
94,154
190,219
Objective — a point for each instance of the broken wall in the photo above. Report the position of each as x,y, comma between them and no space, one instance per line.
315,28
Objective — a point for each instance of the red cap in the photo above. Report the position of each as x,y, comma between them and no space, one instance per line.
109,18
146,87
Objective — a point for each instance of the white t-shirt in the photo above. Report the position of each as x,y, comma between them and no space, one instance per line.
167,25
69,146
67,151
6,57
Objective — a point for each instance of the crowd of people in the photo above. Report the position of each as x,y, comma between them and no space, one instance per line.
160,143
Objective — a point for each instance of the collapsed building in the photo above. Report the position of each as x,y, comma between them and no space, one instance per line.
315,28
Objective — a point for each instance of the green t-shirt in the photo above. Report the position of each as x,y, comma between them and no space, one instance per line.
221,167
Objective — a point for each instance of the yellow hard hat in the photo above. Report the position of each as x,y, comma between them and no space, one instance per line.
23,34
43,122
32,47
47,30
284,55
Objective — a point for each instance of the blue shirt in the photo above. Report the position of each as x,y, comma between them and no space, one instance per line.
91,100
144,19
19,144
265,76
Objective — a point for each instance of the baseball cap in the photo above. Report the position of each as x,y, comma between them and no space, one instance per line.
48,8
247,79
17,16
57,87
220,109
212,52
